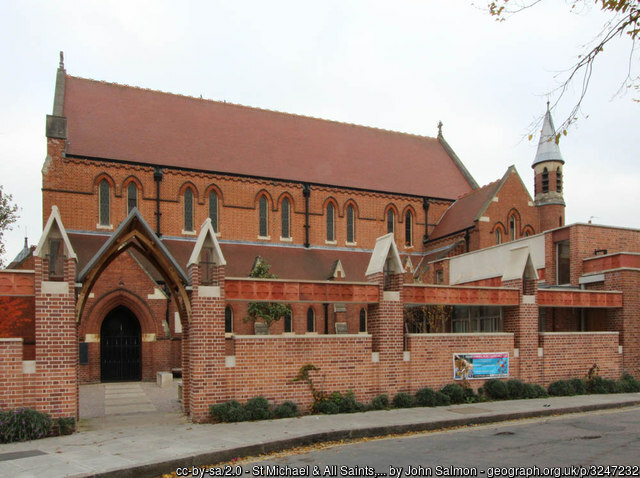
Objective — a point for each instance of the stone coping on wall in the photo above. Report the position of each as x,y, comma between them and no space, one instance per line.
458,286
606,332
462,334
11,339
329,282
289,336
17,271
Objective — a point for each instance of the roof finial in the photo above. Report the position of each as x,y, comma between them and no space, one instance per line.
439,128
547,103
61,66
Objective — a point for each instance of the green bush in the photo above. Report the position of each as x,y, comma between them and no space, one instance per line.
602,385
347,403
403,400
442,399
455,392
540,391
628,384
257,409
515,389
286,410
425,397
231,411
560,388
24,424
496,389
327,407
66,426
381,402
577,384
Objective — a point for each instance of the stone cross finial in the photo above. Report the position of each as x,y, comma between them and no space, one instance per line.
61,60
439,128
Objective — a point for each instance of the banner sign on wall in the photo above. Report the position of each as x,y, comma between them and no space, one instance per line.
480,366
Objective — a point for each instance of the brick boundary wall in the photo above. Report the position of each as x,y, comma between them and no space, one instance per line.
266,365
11,380
571,354
431,363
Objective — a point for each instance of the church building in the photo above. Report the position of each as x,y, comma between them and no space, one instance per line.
151,199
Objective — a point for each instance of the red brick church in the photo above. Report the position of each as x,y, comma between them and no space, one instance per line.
389,256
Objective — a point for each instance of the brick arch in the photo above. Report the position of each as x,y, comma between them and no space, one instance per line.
134,179
332,200
265,193
350,202
109,301
218,191
288,196
528,229
189,185
98,179
513,213
386,210
408,208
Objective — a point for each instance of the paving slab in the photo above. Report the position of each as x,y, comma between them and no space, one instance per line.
148,444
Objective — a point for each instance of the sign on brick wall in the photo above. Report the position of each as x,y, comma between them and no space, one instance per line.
480,366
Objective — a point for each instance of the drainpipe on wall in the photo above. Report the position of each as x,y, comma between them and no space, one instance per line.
157,177
466,240
425,206
306,192
326,318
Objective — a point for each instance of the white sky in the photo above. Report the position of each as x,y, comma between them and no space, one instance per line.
399,65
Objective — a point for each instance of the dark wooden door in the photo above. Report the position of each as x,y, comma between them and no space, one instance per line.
120,347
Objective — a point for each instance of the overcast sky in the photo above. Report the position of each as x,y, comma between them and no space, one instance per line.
399,65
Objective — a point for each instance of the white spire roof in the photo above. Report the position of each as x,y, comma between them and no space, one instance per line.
548,149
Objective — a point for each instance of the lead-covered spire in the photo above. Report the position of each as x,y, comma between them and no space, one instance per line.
548,149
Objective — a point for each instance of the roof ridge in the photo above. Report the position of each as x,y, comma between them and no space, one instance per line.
473,191
238,105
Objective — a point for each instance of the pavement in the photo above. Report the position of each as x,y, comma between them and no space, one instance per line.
156,439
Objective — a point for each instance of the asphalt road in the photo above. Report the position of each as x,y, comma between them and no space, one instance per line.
523,448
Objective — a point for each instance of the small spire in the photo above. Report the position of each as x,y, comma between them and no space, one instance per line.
439,128
61,65
548,149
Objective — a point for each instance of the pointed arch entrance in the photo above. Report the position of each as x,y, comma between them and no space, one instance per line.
120,346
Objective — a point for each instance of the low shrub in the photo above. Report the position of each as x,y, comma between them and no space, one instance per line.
24,424
628,384
326,407
347,403
231,411
534,391
66,426
602,385
257,409
455,392
425,397
381,402
560,388
540,391
577,384
515,389
403,400
442,399
286,410
496,389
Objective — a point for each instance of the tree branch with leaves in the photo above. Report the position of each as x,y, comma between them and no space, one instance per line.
267,312
624,21
8,216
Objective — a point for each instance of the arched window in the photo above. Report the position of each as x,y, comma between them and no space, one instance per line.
311,320
498,236
408,229
228,320
331,212
104,198
188,209
363,320
213,210
391,219
545,180
286,215
512,228
132,196
351,236
262,205
287,321
559,180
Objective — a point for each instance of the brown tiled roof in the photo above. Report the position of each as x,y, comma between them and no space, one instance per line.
286,262
125,123
463,213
